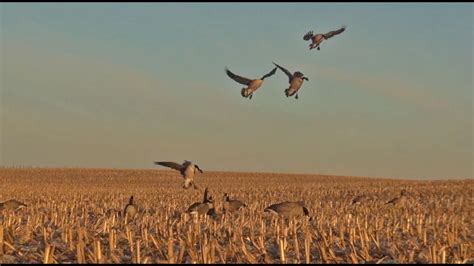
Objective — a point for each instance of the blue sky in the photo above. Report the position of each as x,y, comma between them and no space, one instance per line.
121,85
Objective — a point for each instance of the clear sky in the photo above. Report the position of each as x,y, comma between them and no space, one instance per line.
122,85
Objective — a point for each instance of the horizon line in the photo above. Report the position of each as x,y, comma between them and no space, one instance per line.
233,171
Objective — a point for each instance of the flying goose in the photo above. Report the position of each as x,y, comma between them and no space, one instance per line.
288,209
130,209
399,200
11,205
232,205
252,84
204,207
295,80
317,39
187,170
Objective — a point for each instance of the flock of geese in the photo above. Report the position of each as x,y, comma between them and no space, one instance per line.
188,170
287,209
207,207
296,79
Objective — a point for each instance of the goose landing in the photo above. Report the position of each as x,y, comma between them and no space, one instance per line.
317,39
296,81
187,170
252,84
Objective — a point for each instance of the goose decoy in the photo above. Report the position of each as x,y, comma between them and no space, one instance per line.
213,214
187,170
317,39
359,199
252,84
204,207
288,209
130,209
399,200
295,80
232,205
11,205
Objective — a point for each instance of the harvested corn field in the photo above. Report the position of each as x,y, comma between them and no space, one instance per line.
77,216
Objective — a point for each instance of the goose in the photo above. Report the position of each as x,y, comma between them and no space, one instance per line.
399,200
359,199
204,207
252,84
288,209
187,170
12,205
317,39
295,80
130,209
232,205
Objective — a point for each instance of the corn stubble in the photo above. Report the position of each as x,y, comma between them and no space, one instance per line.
76,216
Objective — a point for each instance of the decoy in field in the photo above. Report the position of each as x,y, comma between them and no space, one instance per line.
359,199
252,84
204,207
232,205
317,39
399,200
296,81
187,170
288,209
12,205
130,209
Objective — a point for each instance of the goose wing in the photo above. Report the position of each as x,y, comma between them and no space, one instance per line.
334,32
173,165
236,203
194,206
290,76
239,79
271,73
282,207
393,201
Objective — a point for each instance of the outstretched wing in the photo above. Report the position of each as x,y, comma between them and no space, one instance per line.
308,36
173,165
290,76
239,79
271,73
334,32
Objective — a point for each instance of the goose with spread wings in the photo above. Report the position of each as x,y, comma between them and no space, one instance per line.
296,81
252,84
317,39
187,170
